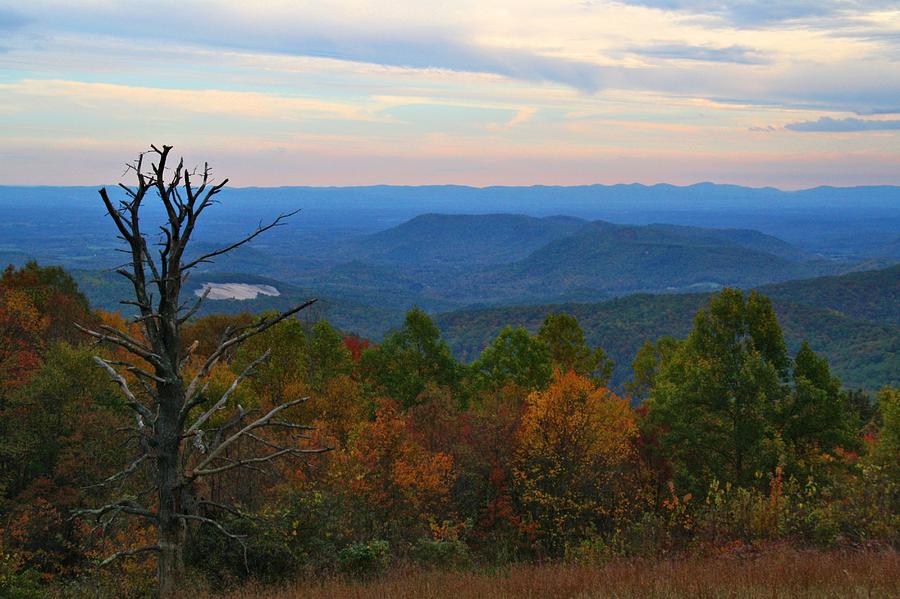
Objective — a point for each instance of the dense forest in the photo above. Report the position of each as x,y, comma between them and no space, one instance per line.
722,440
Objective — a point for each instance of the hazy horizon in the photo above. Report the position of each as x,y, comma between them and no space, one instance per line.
494,186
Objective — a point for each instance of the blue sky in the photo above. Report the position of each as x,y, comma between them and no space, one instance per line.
793,94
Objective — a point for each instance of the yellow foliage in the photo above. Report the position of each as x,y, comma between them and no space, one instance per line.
575,463
575,419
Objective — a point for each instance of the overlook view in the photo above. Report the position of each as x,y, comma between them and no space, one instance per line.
553,299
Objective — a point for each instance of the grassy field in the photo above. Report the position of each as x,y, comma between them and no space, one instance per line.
787,573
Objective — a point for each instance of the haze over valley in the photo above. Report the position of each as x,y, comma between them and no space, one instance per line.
370,254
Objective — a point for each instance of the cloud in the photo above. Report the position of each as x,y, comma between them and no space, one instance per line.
521,116
109,96
764,13
727,54
766,129
829,125
415,41
430,50
10,19
878,111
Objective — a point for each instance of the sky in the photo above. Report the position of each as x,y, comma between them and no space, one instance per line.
791,94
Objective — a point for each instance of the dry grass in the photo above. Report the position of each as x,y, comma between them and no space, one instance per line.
782,573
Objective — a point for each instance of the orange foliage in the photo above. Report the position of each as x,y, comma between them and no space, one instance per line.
388,466
22,328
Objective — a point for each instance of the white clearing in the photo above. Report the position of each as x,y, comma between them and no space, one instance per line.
235,291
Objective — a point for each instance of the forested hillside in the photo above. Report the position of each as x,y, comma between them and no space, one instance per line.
872,295
862,343
616,259
444,262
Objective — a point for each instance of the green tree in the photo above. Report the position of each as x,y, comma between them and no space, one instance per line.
648,361
889,436
409,359
328,356
713,402
569,351
816,416
514,357
287,341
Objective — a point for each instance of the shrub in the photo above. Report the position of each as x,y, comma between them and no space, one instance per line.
364,560
444,554
15,583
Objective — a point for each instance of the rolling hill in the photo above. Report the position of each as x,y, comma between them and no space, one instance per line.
619,259
863,353
467,240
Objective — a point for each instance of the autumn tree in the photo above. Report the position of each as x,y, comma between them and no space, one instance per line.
575,444
178,439
569,350
37,307
390,469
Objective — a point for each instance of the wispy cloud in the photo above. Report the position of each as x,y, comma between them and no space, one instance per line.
207,101
285,29
728,54
762,13
443,51
521,116
830,125
878,111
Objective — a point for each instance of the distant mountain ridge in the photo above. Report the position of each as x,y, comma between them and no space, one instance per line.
853,223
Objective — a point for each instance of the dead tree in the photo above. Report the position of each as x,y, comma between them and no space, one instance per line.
172,409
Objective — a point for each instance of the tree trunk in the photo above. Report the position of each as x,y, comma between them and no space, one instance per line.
170,560
169,526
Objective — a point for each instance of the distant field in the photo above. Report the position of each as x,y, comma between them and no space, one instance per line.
788,573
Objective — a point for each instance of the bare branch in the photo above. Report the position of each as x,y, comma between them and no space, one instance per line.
222,401
259,231
125,342
123,474
260,422
193,310
130,553
287,451
188,353
126,506
137,371
123,385
234,537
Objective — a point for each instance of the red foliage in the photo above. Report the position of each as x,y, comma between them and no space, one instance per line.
356,345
